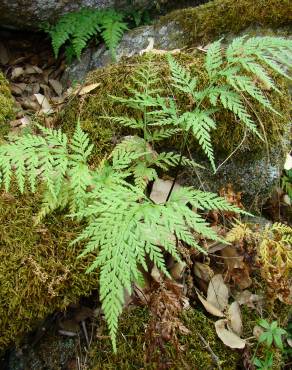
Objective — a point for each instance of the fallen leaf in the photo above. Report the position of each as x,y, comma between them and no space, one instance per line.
203,271
17,72
209,307
288,162
249,299
218,293
57,86
88,88
229,338
43,102
234,318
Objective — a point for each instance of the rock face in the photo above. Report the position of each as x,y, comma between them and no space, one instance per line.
31,13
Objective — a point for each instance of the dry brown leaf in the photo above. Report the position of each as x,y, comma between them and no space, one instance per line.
234,318
43,102
17,72
229,338
218,292
257,331
209,307
249,299
57,86
88,88
203,271
31,70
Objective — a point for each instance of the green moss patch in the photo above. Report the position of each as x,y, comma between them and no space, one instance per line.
6,105
131,351
39,272
220,17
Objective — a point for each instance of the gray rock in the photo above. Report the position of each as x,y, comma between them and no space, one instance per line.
132,43
31,13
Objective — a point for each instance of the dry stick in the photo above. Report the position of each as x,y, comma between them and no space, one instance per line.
215,358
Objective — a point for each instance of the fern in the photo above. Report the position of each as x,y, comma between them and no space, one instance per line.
125,227
78,28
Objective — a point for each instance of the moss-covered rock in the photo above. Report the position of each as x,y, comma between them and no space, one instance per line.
6,104
253,168
39,272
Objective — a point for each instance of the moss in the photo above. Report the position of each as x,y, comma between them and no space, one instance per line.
39,272
219,17
131,350
6,105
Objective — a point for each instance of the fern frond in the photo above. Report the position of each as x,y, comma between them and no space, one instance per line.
79,27
200,123
232,101
214,59
113,28
182,79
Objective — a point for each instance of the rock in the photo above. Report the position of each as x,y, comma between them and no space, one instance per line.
31,13
188,27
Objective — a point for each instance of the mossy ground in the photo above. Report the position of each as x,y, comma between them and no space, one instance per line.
39,272
6,105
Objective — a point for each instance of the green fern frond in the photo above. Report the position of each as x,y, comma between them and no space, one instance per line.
126,228
113,28
79,27
182,79
200,123
214,59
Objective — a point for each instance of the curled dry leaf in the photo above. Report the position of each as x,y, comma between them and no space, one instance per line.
229,338
234,318
218,292
209,307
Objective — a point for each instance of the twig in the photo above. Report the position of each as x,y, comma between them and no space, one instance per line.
215,358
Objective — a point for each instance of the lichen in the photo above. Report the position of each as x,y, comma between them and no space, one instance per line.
39,271
220,17
6,105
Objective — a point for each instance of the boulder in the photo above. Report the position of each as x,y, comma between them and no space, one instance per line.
31,13
187,28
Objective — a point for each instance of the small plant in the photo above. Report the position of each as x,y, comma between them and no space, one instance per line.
125,228
77,28
286,182
272,335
